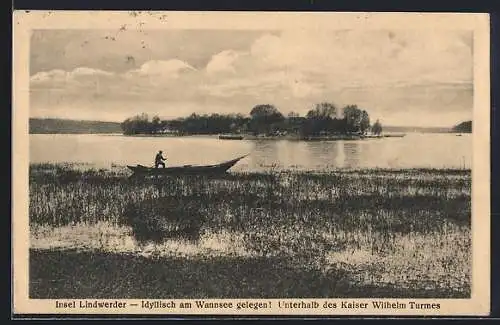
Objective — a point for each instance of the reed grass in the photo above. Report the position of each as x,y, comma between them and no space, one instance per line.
388,230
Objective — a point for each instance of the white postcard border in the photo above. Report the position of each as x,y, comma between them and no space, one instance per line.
24,22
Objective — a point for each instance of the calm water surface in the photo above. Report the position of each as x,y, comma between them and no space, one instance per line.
415,150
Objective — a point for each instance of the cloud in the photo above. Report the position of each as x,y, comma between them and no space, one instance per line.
49,77
84,71
58,75
123,50
222,62
270,50
82,80
382,71
170,68
369,58
152,76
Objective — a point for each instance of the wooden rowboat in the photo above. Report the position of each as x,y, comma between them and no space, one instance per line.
186,169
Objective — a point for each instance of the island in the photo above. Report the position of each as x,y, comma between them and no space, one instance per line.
265,122
325,121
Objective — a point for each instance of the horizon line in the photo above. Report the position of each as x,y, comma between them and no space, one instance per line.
119,122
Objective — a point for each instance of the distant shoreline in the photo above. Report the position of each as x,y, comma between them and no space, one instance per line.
258,138
65,126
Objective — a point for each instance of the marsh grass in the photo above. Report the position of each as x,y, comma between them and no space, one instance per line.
381,229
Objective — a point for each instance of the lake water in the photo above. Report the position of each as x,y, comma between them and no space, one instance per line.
415,150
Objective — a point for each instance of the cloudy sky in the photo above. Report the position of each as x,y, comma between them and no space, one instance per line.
420,78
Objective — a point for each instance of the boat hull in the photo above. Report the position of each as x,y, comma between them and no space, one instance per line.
185,170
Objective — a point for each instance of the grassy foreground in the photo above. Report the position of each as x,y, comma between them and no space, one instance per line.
371,233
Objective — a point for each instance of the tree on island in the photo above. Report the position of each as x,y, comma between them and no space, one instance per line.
365,122
140,124
293,123
213,123
357,120
156,123
323,111
264,118
377,128
321,119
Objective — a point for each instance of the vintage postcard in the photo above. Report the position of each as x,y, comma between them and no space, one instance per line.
251,163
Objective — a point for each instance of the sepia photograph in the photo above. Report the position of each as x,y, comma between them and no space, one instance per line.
238,163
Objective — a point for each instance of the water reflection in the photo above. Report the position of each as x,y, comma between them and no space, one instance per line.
413,151
317,155
265,155
352,152
164,218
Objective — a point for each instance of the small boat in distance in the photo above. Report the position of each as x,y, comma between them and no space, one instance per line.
231,137
372,136
394,135
140,170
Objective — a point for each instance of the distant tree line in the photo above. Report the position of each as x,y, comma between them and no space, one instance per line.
464,127
265,119
63,126
141,124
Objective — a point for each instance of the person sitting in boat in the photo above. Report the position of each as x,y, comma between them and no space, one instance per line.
159,159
